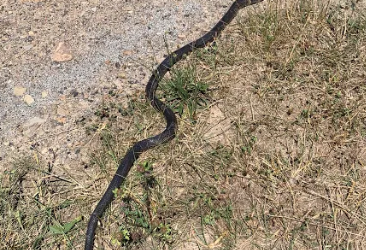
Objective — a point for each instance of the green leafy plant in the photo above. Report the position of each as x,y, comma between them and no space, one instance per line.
164,232
58,228
183,90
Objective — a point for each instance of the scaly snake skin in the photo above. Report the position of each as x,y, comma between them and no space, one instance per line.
171,127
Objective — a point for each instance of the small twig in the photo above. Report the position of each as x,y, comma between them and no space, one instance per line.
251,107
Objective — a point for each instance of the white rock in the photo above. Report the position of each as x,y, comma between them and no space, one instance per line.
28,99
19,91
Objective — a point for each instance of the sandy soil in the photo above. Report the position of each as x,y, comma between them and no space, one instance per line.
112,45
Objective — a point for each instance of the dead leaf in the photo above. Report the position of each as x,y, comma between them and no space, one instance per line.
62,53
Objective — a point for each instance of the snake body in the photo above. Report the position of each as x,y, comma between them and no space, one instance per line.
171,127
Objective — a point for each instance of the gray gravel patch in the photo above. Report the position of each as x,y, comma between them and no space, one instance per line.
107,39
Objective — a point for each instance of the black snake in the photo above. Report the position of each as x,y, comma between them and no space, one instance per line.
171,127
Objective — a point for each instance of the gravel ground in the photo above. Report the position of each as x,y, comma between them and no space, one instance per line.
113,44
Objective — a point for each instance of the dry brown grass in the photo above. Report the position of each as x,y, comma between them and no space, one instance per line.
276,161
